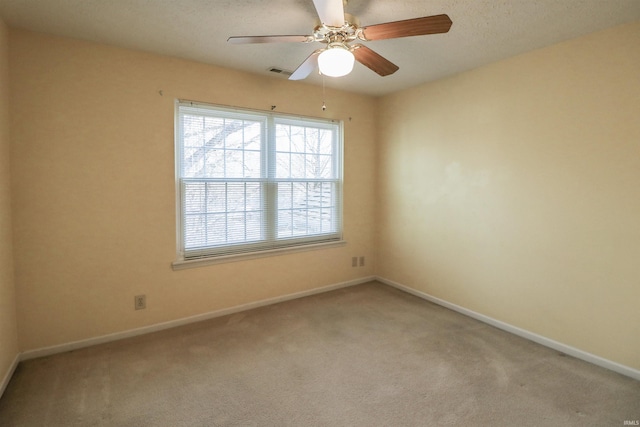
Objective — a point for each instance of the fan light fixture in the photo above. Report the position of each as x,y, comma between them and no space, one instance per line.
336,61
342,34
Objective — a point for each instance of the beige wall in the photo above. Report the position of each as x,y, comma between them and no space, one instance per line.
513,191
94,193
8,327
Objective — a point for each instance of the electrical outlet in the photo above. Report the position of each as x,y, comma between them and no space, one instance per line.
354,261
361,261
140,302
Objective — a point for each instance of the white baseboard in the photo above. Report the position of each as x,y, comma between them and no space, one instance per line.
61,348
9,374
571,351
577,353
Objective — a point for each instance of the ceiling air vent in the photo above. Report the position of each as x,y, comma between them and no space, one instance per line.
280,71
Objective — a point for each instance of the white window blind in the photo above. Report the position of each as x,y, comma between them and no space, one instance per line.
252,181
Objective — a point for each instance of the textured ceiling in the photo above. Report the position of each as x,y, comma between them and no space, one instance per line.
483,31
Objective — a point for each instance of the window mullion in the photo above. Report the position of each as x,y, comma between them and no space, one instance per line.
271,193
226,212
206,212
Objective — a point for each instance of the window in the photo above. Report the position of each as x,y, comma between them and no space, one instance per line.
251,181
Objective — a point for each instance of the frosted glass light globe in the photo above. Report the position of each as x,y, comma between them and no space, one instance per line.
336,62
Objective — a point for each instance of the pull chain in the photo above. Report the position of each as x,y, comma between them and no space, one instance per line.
324,106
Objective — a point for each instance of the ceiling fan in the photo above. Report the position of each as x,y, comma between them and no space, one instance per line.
338,30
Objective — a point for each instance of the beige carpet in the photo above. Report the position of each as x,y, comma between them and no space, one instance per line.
368,355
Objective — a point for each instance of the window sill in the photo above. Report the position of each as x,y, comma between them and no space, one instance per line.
194,263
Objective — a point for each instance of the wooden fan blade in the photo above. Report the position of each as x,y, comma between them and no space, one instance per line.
268,39
309,64
373,61
410,27
331,12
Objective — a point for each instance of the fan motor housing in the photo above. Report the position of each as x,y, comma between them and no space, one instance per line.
328,34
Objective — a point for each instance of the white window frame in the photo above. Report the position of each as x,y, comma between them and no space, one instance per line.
271,245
